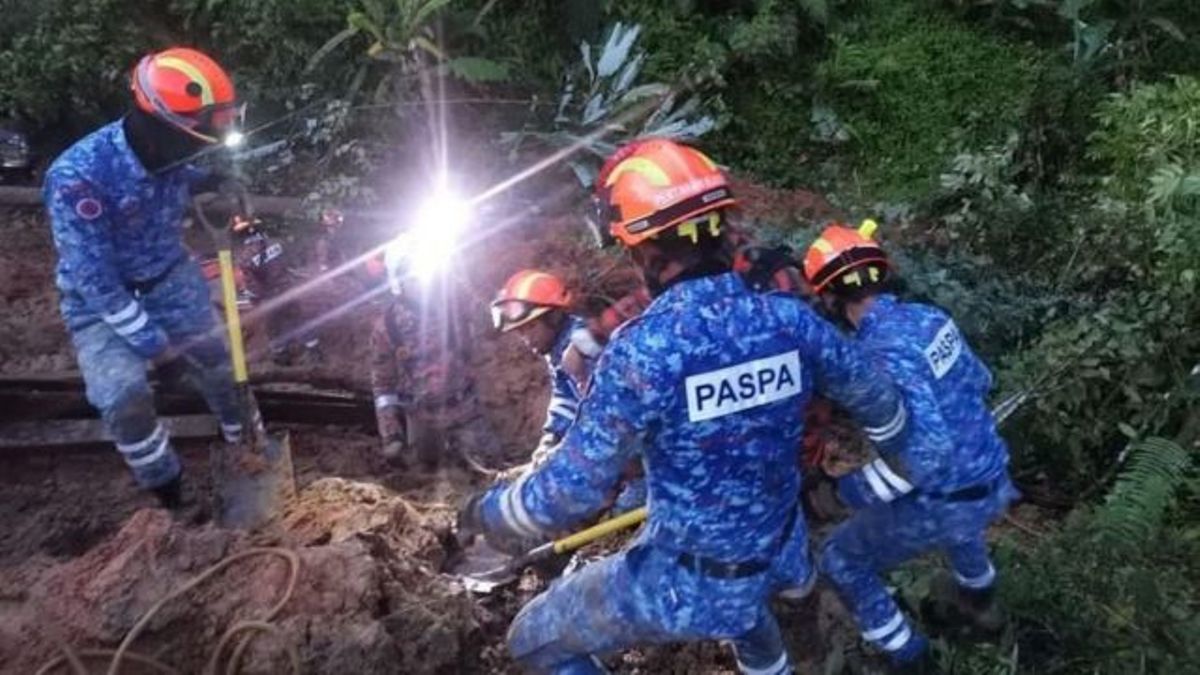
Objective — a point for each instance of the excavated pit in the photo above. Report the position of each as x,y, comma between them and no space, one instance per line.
83,554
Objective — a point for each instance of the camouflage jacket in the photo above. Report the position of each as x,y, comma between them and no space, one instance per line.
708,386
953,442
117,227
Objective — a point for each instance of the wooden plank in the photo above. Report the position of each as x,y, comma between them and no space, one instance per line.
58,433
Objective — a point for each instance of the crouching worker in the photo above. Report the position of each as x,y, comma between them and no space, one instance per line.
950,480
131,295
535,305
707,388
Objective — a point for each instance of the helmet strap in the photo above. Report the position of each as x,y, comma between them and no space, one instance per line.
157,144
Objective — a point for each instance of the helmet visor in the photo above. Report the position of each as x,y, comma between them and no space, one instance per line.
509,314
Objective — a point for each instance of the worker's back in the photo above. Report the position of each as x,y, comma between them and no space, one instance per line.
709,384
946,387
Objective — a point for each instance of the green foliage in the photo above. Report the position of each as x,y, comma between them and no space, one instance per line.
1116,590
1137,504
913,87
604,104
69,62
1144,131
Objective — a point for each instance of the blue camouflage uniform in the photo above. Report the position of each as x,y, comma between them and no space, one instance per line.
565,392
129,290
708,388
940,492
565,395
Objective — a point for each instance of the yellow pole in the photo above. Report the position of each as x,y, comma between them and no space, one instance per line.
574,541
233,320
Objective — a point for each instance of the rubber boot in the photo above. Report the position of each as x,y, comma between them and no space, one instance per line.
170,495
922,665
966,613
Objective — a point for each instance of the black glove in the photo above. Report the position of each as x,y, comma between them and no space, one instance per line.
761,264
469,522
821,500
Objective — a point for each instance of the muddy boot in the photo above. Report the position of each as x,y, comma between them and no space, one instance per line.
170,496
182,501
923,665
966,613
398,453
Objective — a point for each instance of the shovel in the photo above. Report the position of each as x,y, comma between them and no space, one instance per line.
255,479
497,571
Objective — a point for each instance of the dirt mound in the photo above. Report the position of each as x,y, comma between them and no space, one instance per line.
368,597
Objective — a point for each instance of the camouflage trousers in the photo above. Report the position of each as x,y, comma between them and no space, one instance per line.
881,537
642,596
117,383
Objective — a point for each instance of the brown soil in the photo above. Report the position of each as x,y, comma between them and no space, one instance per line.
83,555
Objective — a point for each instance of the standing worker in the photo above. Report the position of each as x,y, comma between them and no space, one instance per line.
950,480
707,387
130,292
425,404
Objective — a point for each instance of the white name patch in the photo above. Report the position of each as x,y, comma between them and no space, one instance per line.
945,349
747,385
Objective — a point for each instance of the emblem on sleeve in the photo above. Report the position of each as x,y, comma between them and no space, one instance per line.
88,208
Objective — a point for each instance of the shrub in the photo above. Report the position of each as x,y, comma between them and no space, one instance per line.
915,86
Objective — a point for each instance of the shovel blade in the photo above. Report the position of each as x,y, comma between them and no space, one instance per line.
482,569
254,481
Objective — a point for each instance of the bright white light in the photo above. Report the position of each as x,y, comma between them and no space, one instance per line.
234,139
434,233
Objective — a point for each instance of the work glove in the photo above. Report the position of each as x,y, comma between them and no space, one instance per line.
472,522
758,265
821,501
469,523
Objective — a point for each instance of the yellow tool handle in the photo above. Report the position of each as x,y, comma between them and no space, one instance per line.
574,541
233,321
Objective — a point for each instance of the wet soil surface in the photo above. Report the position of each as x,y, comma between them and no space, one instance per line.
83,554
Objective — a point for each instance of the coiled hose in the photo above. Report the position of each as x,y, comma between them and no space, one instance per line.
245,628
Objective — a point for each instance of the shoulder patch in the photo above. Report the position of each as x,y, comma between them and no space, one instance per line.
945,349
743,386
89,208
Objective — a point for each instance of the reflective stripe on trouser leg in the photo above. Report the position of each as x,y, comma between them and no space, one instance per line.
860,589
152,459
115,378
761,651
972,567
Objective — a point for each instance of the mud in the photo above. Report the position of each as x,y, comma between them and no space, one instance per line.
83,555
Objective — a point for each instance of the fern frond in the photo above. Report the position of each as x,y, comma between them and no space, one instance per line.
1143,493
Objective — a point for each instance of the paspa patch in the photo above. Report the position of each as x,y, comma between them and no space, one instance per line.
89,208
747,385
945,349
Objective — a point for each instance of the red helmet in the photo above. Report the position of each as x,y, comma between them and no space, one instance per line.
656,184
527,295
840,253
189,91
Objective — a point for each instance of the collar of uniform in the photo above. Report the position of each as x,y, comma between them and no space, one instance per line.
882,306
125,151
725,283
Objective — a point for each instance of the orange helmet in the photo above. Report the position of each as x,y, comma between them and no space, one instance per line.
527,295
189,91
655,184
841,250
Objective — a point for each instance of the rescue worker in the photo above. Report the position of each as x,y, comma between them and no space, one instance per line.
536,306
707,388
130,293
424,401
938,493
